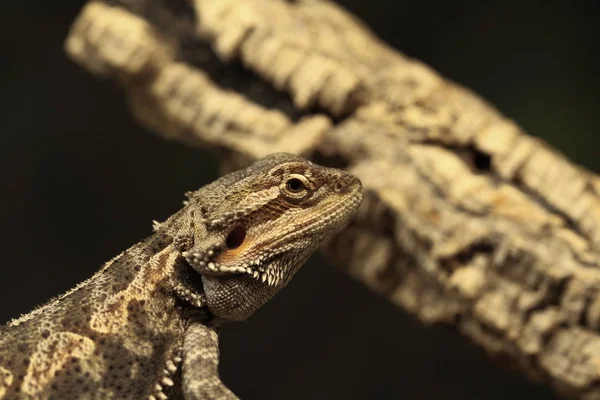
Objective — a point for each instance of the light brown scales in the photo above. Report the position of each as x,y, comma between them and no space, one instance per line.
144,326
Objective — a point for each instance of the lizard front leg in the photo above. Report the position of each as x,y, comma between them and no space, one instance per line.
200,374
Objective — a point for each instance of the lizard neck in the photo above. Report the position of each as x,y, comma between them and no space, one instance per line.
132,287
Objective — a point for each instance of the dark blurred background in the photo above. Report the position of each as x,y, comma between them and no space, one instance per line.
81,181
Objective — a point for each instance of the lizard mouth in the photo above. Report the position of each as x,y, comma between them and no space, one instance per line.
336,216
256,270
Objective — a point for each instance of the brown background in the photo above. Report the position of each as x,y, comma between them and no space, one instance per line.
81,182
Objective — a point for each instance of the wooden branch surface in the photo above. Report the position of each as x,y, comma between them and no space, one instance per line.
467,220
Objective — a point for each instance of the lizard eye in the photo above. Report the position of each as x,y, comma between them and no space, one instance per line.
294,185
235,238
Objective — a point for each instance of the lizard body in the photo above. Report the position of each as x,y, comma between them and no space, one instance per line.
145,325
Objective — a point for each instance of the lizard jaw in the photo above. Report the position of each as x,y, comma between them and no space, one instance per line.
203,265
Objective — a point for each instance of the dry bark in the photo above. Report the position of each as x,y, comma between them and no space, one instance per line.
467,220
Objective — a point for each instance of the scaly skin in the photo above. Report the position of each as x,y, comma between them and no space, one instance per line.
145,325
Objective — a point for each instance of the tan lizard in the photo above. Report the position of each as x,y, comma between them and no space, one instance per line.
145,325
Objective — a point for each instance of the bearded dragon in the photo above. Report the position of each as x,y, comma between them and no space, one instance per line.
145,325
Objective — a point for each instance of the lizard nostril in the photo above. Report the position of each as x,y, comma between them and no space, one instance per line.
236,237
339,186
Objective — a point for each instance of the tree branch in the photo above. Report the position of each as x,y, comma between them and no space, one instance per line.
467,221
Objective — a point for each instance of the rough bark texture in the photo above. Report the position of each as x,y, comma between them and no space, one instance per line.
467,221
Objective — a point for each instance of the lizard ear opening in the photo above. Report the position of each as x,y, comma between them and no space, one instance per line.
235,238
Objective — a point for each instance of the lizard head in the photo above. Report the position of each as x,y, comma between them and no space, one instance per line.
260,224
